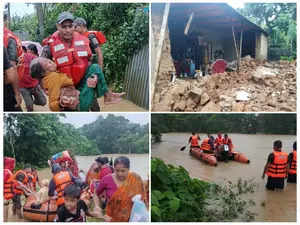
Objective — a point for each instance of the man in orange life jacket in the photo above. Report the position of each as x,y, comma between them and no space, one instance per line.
292,165
96,39
60,180
14,53
218,140
194,140
19,186
276,167
72,54
207,145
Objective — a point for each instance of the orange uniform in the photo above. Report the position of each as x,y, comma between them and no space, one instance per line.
278,168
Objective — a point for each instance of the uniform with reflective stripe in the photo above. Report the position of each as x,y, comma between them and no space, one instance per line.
278,168
20,64
71,60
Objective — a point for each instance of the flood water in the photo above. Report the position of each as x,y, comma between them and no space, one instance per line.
139,163
279,205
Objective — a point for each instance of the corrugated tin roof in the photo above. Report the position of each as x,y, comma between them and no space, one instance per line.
218,16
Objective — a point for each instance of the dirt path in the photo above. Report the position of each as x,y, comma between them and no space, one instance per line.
124,106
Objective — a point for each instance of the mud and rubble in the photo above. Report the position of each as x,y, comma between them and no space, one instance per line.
264,86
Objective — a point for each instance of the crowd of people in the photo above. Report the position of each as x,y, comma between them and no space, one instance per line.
279,166
69,69
106,193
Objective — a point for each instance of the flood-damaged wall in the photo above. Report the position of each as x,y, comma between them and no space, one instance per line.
261,48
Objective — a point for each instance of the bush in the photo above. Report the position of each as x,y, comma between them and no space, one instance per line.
176,197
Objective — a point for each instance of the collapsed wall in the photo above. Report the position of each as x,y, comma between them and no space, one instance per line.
259,86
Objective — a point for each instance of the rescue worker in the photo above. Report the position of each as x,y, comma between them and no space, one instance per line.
96,38
18,184
193,140
8,191
228,146
72,54
292,165
276,167
14,53
218,141
61,179
206,145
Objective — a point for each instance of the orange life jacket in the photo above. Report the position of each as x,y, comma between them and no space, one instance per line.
293,168
219,141
99,35
32,180
61,180
278,168
20,64
228,142
194,141
16,182
73,60
8,185
205,145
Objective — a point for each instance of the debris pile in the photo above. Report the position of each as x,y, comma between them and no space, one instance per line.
259,86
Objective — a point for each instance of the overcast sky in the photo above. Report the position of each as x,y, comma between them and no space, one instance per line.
79,120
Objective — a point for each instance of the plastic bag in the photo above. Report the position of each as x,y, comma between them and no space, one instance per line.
139,212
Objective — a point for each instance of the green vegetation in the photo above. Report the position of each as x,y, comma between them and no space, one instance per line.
125,25
176,197
115,134
34,138
225,123
279,20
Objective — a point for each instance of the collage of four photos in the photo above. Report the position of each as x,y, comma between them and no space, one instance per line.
149,112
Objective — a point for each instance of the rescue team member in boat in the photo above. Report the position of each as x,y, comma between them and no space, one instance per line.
193,140
61,179
218,141
74,209
228,146
276,167
207,145
14,187
120,187
292,165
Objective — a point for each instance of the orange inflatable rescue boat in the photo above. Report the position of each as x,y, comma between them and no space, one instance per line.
45,213
206,157
239,157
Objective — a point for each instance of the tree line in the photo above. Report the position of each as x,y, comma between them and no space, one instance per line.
225,123
34,138
279,20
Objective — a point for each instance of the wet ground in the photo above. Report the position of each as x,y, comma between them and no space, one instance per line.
139,163
276,206
123,106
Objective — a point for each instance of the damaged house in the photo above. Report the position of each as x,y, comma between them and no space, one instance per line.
201,33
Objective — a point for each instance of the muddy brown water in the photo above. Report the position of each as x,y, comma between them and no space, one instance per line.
139,163
279,206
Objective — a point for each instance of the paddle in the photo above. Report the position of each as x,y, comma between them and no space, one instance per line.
184,147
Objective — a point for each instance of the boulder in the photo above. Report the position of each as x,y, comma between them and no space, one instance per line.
211,107
204,98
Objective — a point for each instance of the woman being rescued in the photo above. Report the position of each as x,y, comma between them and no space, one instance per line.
120,187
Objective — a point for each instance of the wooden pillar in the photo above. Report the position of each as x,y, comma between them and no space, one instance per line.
159,49
236,50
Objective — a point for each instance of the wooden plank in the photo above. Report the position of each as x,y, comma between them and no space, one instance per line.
159,47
